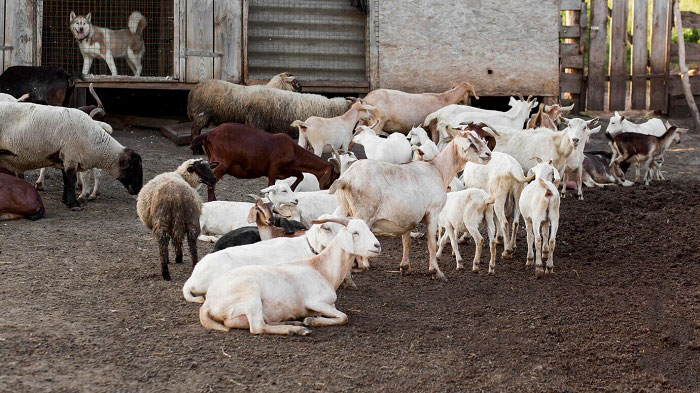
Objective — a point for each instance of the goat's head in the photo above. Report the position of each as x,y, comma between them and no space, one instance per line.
473,148
615,124
343,159
354,236
262,212
486,132
556,111
287,81
545,171
417,135
130,171
578,129
280,193
468,88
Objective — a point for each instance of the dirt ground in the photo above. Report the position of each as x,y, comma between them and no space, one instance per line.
84,307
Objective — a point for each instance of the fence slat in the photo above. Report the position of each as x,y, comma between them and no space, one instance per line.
573,31
659,36
596,59
572,61
570,83
618,56
567,49
570,5
639,54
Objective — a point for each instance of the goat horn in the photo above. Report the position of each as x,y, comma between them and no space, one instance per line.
338,220
94,95
382,133
255,197
529,97
521,97
97,111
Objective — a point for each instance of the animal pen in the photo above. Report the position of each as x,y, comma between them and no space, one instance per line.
555,50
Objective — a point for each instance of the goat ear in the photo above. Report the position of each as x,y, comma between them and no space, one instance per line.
252,213
564,120
539,160
268,189
592,122
547,108
567,109
72,16
622,118
595,130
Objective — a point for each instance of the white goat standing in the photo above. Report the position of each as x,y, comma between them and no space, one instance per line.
574,164
539,204
267,299
466,210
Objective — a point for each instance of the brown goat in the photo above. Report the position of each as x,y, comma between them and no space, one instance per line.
248,153
271,225
548,116
19,199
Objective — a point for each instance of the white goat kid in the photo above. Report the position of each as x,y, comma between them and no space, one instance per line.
466,210
423,148
401,196
324,134
394,149
221,217
539,204
268,299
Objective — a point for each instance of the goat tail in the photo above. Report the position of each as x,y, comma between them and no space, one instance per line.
24,97
522,179
339,184
209,323
137,22
187,293
491,201
300,124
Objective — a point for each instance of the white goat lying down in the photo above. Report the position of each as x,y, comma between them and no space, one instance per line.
221,217
267,299
618,124
464,211
539,204
401,196
268,252
503,179
395,148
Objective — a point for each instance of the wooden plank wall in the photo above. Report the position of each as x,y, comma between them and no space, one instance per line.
573,31
2,35
227,40
19,33
200,40
614,96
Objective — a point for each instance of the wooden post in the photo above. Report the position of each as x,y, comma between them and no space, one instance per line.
640,56
596,58
684,69
618,56
659,52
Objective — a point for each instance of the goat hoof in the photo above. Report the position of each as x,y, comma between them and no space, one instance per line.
492,271
459,266
405,270
166,276
507,255
92,197
39,186
539,272
416,235
348,283
475,269
549,270
440,276
529,261
303,332
308,321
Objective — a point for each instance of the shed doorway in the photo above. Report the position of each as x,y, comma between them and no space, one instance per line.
322,42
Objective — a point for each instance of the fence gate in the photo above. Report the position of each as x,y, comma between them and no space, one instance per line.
322,42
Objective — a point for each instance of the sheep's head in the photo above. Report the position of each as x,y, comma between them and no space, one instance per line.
615,124
130,171
285,81
354,236
545,171
280,194
472,148
203,170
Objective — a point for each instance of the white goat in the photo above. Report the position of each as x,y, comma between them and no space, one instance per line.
263,298
539,204
466,210
325,134
273,251
423,148
394,149
574,164
618,124
503,179
400,196
221,217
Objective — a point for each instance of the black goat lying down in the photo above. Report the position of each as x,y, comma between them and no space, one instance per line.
251,234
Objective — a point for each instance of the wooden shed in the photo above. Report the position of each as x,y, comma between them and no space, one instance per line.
502,48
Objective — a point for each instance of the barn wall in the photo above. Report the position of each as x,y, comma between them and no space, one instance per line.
427,46
19,33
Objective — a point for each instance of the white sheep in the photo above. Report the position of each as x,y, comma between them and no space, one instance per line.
466,210
36,136
169,206
273,251
502,178
394,149
266,299
221,217
326,134
539,204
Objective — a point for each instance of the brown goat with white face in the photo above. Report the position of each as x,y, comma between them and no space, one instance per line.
272,224
642,149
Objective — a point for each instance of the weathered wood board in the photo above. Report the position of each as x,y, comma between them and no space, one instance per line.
200,40
19,33
618,56
181,133
640,55
596,60
227,40
659,41
502,48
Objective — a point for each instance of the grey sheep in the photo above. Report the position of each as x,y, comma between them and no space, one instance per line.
169,206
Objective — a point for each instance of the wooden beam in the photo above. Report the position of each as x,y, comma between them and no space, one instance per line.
692,51
640,57
675,86
573,31
596,59
572,61
691,20
570,5
618,56
684,69
569,49
570,83
659,36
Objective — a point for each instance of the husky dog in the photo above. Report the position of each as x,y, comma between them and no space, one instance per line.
107,44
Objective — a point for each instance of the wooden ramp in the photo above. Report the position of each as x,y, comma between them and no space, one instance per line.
180,134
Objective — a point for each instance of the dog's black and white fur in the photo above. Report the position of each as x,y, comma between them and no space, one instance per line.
107,44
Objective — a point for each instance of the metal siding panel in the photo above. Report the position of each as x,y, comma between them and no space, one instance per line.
315,40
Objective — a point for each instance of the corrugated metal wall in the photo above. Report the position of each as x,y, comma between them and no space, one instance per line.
317,40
